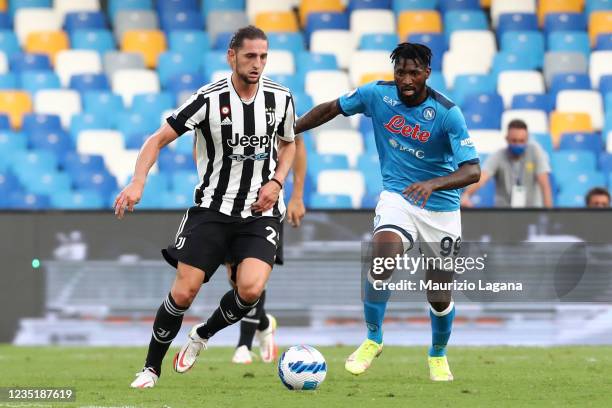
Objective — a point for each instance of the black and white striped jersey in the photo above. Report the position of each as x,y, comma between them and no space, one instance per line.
236,143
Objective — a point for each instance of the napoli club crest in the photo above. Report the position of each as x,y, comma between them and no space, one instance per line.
429,114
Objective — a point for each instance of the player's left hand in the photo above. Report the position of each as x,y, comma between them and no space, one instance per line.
267,197
295,211
419,191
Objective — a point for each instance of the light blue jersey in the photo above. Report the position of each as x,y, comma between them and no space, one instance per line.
414,143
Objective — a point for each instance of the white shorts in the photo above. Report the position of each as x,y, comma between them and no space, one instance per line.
437,232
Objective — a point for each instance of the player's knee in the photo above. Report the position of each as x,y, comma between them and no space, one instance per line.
440,306
184,296
250,293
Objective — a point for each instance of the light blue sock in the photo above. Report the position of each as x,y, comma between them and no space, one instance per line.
374,306
441,326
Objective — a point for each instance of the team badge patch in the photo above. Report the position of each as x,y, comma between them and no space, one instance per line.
429,113
225,110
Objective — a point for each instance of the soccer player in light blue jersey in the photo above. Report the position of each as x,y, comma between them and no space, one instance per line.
426,156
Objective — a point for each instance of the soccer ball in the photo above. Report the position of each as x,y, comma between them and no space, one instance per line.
302,368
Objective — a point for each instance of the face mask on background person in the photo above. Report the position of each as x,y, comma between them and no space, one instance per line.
517,149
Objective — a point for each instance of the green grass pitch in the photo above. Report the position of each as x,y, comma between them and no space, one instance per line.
484,377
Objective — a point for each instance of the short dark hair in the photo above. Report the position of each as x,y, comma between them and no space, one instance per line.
517,124
418,52
249,32
596,191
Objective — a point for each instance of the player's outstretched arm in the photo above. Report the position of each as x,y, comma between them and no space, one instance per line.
465,175
268,193
317,116
295,208
131,194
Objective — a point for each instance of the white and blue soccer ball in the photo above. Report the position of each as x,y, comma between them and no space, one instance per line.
302,368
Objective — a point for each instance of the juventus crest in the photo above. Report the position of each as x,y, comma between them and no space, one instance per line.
271,116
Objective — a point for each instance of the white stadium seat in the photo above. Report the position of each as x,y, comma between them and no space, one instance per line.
459,63
510,6
325,86
280,62
121,164
346,142
28,20
62,102
579,100
129,82
340,43
70,6
510,83
106,143
364,62
254,7
349,182
536,120
371,21
73,62
474,41
4,65
600,64
488,141
219,75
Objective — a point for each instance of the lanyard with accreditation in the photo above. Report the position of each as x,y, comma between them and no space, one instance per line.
518,196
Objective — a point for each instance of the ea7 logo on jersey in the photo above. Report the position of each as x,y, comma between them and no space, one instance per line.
397,124
390,101
245,141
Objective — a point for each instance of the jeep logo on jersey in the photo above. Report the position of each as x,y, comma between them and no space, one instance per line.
245,141
397,124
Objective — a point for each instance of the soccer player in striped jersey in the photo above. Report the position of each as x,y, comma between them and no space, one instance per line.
244,144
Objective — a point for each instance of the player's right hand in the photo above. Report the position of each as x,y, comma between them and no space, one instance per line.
128,198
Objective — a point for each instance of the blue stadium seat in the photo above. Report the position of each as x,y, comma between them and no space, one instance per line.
544,140
472,84
325,21
74,163
570,199
436,81
369,201
436,42
512,61
481,120
448,5
527,44
45,182
184,144
133,122
171,161
171,64
597,5
456,20
293,42
10,142
152,104
89,82
561,82
533,101
33,161
20,62
320,162
516,22
605,84
564,22
115,6
87,121
368,4
173,200
409,5
147,201
9,81
294,82
186,82
486,103
581,141
189,42
570,41
177,5
330,202
9,183
157,183
4,122
303,102
15,5
215,5
175,20
9,43
102,103
6,22
579,183
307,61
101,181
28,201
34,81
135,140
77,200
41,121
56,141
369,165
603,42
222,41
378,41
485,196
212,61
605,162
573,162
100,40
184,181
85,20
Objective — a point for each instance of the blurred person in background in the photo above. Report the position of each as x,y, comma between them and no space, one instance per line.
597,197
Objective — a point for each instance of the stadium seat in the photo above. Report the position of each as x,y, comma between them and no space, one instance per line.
219,5
277,21
349,182
6,22
544,140
171,64
581,141
34,81
89,82
62,102
115,6
133,122
368,21
47,42
533,101
183,144
177,5
516,22
33,122
600,22
15,104
293,42
605,84
254,7
316,6
436,42
562,82
458,63
369,4
564,22
347,142
499,7
565,122
325,21
579,183
187,82
33,161
363,62
528,44
223,22
170,161
63,7
9,183
603,42
418,21
569,41
280,62
178,20
480,120
586,101
150,43
77,200
464,20
152,104
303,102
72,62
56,141
134,20
512,61
45,183
88,121
173,200
326,161
101,181
576,162
8,43
184,181
479,42
121,165
294,82
488,140
331,201
15,5
99,40
28,201
188,42
100,142
486,104
30,20
29,62
129,82
536,120
5,124
85,20
222,41
324,86
116,60
340,43
472,84
74,163
10,142
510,83
558,6
309,61
605,162
484,197
375,76
600,64
102,103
